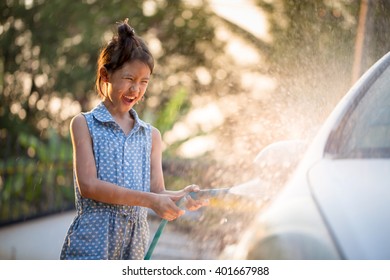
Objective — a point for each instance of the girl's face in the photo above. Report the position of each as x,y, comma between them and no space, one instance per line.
127,85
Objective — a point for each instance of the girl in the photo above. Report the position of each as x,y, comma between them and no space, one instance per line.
117,161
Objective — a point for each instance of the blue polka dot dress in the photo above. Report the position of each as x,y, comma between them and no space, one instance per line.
106,231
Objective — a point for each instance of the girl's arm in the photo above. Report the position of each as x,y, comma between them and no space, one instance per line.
93,188
156,174
157,178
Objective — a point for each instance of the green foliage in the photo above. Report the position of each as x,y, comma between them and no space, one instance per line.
54,149
37,179
170,113
48,49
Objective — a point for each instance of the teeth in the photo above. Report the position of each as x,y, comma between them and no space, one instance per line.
129,98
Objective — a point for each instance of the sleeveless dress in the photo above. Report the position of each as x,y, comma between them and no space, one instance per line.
107,231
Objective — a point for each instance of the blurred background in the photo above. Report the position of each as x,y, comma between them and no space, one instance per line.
231,77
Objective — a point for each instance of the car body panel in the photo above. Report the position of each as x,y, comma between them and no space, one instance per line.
291,228
351,195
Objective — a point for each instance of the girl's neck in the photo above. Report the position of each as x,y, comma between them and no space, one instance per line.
124,119
115,111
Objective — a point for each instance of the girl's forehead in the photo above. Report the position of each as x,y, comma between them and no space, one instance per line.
135,67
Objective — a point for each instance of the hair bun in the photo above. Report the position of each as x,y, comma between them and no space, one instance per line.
125,30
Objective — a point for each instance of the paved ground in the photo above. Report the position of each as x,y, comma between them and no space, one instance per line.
42,239
176,243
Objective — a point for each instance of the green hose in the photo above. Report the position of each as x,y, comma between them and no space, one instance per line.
156,237
203,194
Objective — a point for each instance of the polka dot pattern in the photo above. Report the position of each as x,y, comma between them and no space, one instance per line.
105,231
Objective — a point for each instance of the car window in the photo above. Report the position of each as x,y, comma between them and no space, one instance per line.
366,133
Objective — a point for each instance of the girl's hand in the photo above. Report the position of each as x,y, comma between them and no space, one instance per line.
166,208
190,203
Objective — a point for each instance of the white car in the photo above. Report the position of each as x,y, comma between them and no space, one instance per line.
337,203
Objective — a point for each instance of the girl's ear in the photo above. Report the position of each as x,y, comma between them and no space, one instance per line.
103,74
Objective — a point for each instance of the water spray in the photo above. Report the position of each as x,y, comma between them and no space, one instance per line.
279,157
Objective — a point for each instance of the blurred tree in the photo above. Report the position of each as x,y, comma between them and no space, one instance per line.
48,51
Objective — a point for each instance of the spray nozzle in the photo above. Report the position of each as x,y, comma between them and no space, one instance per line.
209,193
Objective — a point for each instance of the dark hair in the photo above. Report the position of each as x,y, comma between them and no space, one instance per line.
124,47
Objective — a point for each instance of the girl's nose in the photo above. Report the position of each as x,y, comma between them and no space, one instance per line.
134,88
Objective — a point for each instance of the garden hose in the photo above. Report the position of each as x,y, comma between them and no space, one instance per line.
202,194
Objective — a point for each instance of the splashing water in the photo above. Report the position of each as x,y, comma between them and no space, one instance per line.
253,189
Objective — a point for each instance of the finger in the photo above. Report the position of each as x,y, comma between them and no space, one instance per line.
195,188
189,199
206,202
199,202
176,198
191,204
176,210
172,217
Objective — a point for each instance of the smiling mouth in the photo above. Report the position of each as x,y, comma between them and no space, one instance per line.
129,99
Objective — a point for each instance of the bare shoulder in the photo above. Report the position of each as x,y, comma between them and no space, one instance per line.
156,139
78,125
78,120
156,135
